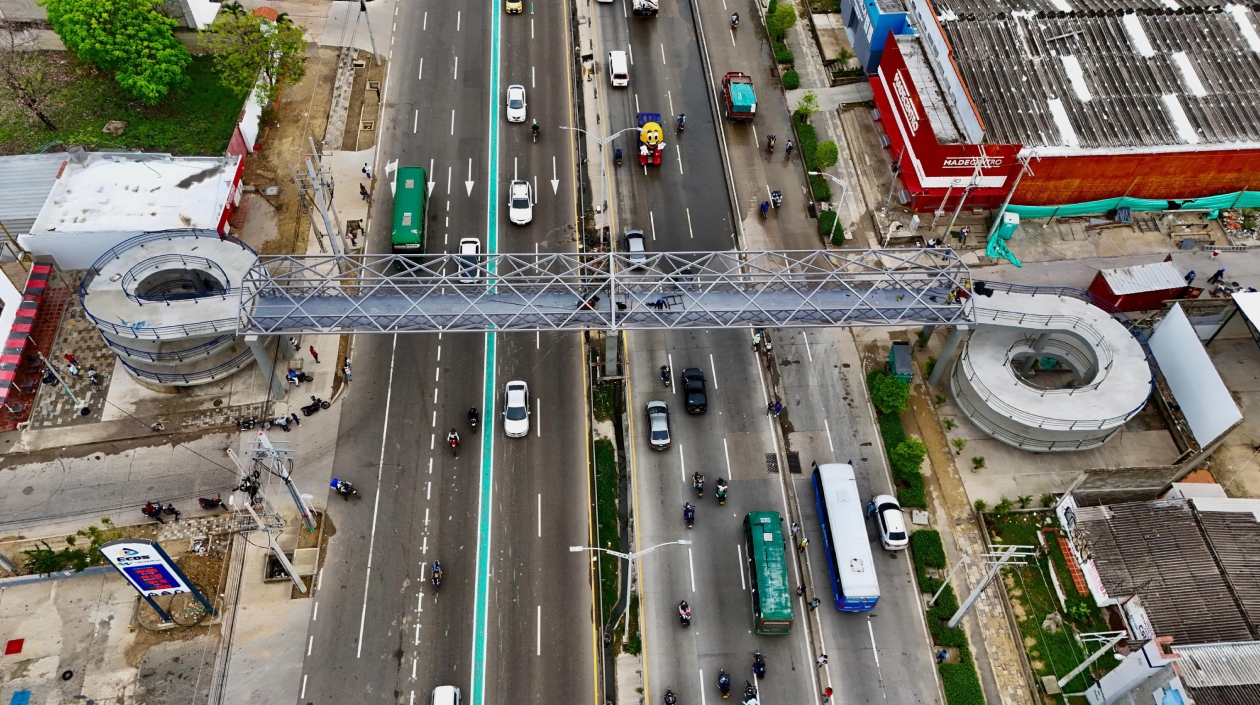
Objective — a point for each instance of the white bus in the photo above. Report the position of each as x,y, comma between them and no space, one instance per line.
853,581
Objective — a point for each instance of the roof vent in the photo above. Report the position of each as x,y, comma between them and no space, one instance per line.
77,155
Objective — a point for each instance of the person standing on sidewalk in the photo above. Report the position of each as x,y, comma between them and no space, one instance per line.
297,347
314,354
345,369
367,170
822,660
364,193
296,420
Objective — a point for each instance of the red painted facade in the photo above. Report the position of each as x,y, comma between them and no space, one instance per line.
936,174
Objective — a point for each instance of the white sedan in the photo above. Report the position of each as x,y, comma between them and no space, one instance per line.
516,409
516,103
520,202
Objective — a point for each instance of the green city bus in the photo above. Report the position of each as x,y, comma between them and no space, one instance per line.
409,211
767,570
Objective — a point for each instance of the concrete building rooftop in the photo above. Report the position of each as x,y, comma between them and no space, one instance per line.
111,192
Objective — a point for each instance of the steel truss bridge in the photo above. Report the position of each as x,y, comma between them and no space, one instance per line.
609,291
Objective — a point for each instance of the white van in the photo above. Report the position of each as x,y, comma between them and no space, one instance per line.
446,695
618,69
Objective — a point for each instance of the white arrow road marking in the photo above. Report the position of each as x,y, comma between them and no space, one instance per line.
391,167
555,182
429,186
469,183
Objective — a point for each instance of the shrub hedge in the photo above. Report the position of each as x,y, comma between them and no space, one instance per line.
791,80
783,54
826,220
960,682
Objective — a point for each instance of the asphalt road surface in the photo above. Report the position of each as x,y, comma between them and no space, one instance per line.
513,615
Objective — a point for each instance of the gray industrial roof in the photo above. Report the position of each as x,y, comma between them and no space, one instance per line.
1157,550
25,182
1221,674
1059,76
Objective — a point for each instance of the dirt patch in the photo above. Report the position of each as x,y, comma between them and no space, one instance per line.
365,105
300,113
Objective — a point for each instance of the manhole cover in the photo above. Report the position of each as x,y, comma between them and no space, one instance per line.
794,463
772,463
27,490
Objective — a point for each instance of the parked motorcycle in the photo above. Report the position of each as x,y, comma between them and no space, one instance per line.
315,405
210,502
344,488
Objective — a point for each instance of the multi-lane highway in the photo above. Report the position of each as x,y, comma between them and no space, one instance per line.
513,617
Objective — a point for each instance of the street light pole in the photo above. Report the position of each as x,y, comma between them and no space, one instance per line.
601,140
844,191
630,557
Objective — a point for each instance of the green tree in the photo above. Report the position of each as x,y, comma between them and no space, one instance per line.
808,106
889,394
249,49
827,154
131,39
785,15
907,457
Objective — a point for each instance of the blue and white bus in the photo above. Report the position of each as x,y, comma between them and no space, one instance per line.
853,581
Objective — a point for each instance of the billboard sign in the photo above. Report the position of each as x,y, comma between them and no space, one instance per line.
146,566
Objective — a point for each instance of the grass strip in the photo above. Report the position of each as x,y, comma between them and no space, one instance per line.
607,535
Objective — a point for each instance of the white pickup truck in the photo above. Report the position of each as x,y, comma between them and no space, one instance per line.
646,8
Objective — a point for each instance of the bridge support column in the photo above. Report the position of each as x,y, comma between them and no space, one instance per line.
258,345
1037,348
947,354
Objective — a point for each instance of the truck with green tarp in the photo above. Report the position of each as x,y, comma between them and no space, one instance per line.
738,97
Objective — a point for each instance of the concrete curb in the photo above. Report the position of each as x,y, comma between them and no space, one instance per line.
60,575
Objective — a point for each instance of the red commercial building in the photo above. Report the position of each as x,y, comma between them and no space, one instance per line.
1078,101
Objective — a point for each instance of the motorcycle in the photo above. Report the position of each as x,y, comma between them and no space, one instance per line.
670,698
721,491
617,156
776,198
697,482
297,377
750,693
281,421
435,575
534,127
689,515
665,375
153,511
453,439
210,502
247,424
682,122
684,613
93,378
171,510
473,417
759,665
315,405
344,488
724,683
770,140
735,21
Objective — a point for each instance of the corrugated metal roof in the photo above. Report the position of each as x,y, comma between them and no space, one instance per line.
1235,539
25,182
1140,278
1208,665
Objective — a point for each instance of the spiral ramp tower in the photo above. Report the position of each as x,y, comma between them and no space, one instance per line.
1111,368
167,304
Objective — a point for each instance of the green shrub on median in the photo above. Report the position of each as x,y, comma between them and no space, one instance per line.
959,680
783,55
791,80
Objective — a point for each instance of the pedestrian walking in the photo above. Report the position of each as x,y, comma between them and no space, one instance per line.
870,508
364,193
314,354
822,660
73,361
814,603
367,170
962,236
296,346
1215,254
769,408
1190,275
787,151
1217,277
778,408
800,591
803,544
827,693
74,369
296,421
345,369
795,528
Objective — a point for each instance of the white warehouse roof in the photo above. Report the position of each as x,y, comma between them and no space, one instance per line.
1159,276
119,192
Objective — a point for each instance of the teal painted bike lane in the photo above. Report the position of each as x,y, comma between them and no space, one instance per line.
485,502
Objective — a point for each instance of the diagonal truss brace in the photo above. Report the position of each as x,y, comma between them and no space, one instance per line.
611,291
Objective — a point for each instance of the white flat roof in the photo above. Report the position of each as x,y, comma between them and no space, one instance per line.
137,192
1249,303
1157,276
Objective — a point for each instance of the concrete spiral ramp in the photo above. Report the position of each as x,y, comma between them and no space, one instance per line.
1103,358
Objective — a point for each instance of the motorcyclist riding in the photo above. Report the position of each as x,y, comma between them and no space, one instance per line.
534,127
682,121
750,693
689,514
665,374
697,482
453,439
734,20
770,143
776,197
473,417
436,574
720,488
670,698
759,665
724,683
684,613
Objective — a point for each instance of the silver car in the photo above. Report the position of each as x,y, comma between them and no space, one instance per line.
658,424
636,247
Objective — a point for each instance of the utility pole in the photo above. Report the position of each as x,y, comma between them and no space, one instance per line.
84,409
315,189
264,455
1002,556
371,37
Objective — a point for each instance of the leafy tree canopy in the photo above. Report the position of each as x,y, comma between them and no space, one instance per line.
128,38
248,48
